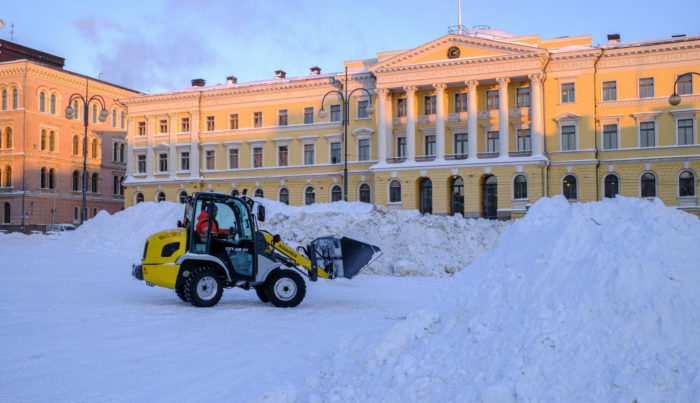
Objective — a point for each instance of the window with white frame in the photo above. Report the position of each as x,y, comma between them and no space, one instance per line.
257,119
163,126
284,196
461,144
460,102
401,107
430,104
233,158
257,157
520,187
684,122
365,195
401,146
309,196
430,145
646,87
524,141
184,160
233,121
522,97
336,152
568,138
336,193
283,155
363,150
610,91
282,117
395,191
647,134
648,184
492,99
335,113
141,128
210,159
610,137
185,125
362,110
611,184
684,86
568,93
141,163
308,115
492,142
686,184
308,154
163,162
211,123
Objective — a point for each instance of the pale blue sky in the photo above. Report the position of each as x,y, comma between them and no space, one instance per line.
159,45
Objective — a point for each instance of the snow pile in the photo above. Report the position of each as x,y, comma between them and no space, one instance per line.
413,244
582,302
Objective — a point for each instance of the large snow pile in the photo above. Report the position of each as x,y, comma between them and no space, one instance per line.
582,302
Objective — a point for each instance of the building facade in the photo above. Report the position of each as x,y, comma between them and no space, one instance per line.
478,122
41,152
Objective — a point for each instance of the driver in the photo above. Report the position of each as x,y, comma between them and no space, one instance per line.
202,227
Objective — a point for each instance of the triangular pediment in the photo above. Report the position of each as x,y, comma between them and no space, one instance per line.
455,48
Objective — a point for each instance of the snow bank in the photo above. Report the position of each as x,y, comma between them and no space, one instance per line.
582,302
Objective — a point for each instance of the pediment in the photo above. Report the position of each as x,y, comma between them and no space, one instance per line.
467,48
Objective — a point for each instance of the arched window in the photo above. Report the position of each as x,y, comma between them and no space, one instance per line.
42,140
15,99
490,197
6,213
8,176
94,113
365,195
94,148
457,196
75,145
52,141
52,104
42,102
426,196
121,186
284,196
612,186
8,138
76,213
570,189
182,197
235,192
52,178
139,198
76,181
520,187
4,100
115,152
121,152
114,118
259,193
648,185
161,197
42,178
75,107
686,184
309,196
395,191
115,185
336,193
94,183
121,120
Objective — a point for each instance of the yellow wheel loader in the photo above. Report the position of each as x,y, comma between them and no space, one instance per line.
218,245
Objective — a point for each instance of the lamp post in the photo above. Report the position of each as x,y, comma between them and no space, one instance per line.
69,115
675,99
345,99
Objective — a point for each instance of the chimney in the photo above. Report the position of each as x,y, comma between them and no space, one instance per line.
613,38
315,70
231,80
198,82
280,74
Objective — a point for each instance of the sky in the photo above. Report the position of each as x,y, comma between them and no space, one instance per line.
160,45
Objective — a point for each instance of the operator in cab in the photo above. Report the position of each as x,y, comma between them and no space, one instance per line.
202,227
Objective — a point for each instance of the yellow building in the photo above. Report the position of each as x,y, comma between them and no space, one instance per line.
478,122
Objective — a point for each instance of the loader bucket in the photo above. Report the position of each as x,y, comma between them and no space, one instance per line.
342,256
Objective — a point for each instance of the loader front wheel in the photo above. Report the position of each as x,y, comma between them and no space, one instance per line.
285,288
203,287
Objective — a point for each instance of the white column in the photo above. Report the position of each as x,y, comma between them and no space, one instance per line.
440,120
472,117
194,144
172,154
381,125
503,116
149,146
130,134
410,123
388,125
536,118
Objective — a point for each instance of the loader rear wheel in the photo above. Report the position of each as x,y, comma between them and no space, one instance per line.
203,287
285,288
260,290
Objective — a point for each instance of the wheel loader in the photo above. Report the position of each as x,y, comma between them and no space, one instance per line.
218,245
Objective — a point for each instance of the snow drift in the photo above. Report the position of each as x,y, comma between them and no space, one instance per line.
582,302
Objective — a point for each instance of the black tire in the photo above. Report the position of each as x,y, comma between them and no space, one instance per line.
203,287
260,290
285,288
180,291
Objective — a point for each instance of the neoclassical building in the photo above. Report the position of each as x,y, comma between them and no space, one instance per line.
479,122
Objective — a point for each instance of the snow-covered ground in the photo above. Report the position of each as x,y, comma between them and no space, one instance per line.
592,302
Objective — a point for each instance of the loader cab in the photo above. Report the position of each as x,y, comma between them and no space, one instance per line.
221,226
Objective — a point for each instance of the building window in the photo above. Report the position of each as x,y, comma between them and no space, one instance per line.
430,106
491,100
365,194
283,156
520,187
395,191
163,162
121,152
163,126
684,86
257,157
76,213
211,123
75,107
646,88
141,128
363,150
568,138
52,104
460,102
524,143
42,141
362,110
308,115
139,198
336,153
114,118
648,185
75,145
6,213
522,97
76,181
115,152
160,197
8,176
52,141
610,91
612,187
121,186
94,148
308,154
8,138
259,193
461,144
401,147
284,196
115,185
93,182
232,158
185,125
336,193
121,120
492,142
182,197
335,113
4,100
401,107
647,134
309,196
282,118
210,158
568,93
569,187
52,178
141,163
94,113
233,121
430,145
257,119
686,184
685,131
185,161
425,199
15,99
42,102
609,137
42,178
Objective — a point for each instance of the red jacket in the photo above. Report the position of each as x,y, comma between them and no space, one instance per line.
202,227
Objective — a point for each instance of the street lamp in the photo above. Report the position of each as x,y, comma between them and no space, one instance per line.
675,99
345,99
70,113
